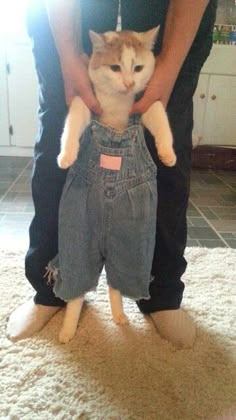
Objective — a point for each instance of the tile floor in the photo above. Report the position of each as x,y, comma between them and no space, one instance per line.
211,213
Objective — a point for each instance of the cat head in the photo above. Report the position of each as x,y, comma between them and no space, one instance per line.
122,62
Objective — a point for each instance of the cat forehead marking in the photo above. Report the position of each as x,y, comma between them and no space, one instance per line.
125,38
128,57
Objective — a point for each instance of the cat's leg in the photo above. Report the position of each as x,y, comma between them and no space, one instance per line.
71,318
156,121
117,310
76,121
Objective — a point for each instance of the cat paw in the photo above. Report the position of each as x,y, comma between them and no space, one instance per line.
168,157
65,161
120,319
65,336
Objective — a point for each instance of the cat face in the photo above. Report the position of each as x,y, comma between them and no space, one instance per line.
122,62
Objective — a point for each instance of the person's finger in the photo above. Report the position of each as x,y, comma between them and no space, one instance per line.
86,94
91,102
141,106
69,93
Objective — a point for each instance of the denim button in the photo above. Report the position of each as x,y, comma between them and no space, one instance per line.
110,192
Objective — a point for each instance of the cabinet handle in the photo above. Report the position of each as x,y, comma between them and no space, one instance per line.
202,96
213,97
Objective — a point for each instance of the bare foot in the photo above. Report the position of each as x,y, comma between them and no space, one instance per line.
66,335
28,319
175,326
120,319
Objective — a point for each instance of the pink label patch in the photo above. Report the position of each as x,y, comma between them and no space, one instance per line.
110,162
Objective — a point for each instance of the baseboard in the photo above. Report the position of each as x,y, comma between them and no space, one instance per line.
16,151
214,157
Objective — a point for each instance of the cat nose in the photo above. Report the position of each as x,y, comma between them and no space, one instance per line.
129,83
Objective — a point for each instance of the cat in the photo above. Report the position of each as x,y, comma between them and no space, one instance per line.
120,67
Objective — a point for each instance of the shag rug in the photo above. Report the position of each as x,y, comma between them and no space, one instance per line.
110,372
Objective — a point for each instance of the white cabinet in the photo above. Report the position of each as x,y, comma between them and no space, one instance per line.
200,100
23,98
215,99
214,110
18,100
220,121
4,122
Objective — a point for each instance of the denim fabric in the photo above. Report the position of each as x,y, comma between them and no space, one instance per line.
107,215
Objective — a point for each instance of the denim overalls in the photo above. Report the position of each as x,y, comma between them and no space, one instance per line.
107,214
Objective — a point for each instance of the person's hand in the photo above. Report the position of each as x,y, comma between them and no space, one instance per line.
76,81
159,88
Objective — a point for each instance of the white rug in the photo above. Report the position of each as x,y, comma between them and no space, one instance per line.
111,372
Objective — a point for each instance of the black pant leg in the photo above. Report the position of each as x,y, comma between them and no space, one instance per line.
47,178
173,186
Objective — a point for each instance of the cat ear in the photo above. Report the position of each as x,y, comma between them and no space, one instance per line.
149,37
97,40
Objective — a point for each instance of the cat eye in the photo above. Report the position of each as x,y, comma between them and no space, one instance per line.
115,67
139,68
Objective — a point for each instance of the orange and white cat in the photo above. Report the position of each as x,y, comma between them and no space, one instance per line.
120,67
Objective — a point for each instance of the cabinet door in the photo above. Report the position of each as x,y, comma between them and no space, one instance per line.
4,123
23,95
199,107
220,121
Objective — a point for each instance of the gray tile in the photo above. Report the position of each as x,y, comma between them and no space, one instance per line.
189,223
193,212
229,197
9,176
227,216
21,188
212,191
229,176
23,198
4,186
9,197
231,243
12,207
224,203
228,235
28,169
208,213
224,225
11,219
225,210
14,162
211,179
193,194
202,233
206,201
22,180
192,242
212,243
29,208
198,221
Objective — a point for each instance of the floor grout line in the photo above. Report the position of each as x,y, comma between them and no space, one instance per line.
209,223
14,182
222,180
